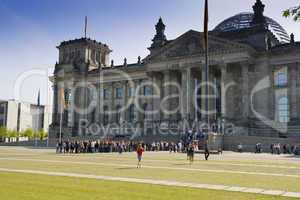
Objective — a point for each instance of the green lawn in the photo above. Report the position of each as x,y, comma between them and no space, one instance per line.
15,186
228,169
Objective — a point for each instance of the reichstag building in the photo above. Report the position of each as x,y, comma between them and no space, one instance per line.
254,78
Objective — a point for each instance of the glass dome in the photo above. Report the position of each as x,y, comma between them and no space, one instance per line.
243,20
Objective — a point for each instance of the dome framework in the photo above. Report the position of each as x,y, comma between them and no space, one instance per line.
243,20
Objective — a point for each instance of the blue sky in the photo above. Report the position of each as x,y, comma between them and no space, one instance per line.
31,29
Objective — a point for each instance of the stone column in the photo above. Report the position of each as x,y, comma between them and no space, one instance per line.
183,96
186,93
71,109
245,90
83,115
100,103
125,93
223,89
156,80
139,115
112,103
213,95
55,104
298,91
97,118
166,93
292,91
203,93
271,103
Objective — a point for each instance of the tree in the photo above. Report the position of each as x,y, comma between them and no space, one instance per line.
28,133
3,133
12,134
42,135
293,12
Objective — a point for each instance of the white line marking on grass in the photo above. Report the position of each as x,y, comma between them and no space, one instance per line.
156,167
158,182
208,163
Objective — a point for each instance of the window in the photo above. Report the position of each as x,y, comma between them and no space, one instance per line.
93,116
106,94
118,114
93,56
147,90
131,92
68,96
1,123
72,54
281,78
131,113
105,115
146,111
119,93
283,110
98,56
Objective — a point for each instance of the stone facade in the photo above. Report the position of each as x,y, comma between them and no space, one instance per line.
254,84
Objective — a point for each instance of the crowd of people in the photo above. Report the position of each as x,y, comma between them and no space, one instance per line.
109,146
276,148
285,149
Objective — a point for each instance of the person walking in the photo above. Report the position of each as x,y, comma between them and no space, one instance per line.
206,151
139,152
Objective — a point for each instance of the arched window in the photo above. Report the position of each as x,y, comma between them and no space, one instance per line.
131,113
283,110
105,115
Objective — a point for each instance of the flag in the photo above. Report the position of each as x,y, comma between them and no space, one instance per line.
62,99
39,98
206,25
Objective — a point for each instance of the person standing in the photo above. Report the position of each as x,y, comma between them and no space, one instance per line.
206,148
191,153
139,152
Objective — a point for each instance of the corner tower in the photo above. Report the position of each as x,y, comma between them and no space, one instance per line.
83,54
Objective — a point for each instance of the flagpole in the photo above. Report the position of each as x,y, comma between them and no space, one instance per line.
206,88
85,26
206,65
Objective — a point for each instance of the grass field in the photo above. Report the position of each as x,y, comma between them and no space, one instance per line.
265,172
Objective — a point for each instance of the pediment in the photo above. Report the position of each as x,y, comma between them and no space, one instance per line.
191,43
